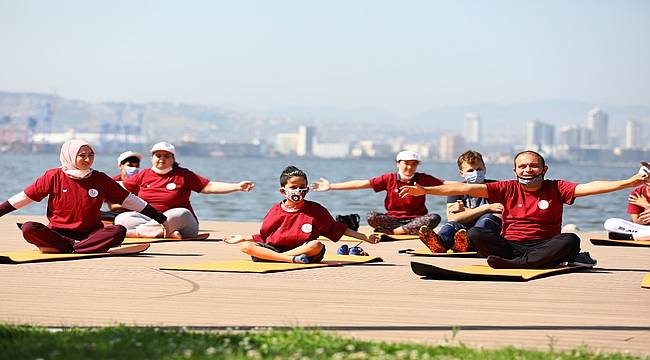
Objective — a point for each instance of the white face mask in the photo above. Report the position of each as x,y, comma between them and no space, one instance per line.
295,195
78,174
531,181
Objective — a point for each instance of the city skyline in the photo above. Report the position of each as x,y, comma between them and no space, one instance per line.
265,57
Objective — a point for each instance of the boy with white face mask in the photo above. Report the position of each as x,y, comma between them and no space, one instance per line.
465,211
403,216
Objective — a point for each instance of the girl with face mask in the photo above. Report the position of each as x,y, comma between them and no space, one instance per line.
291,228
75,194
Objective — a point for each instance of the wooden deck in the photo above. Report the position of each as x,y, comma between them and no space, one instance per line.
605,309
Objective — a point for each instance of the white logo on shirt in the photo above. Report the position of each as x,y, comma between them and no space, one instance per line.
306,228
65,190
171,186
542,204
93,193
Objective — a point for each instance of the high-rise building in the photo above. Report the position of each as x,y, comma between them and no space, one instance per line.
539,134
633,135
597,122
450,147
286,143
472,127
570,136
305,146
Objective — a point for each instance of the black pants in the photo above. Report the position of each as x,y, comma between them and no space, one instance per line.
538,254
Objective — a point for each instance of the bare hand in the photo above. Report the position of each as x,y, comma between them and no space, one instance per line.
167,230
639,179
415,190
373,238
246,185
456,207
637,200
235,239
496,207
322,185
644,217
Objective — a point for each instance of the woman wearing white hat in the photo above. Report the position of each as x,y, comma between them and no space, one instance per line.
167,187
403,216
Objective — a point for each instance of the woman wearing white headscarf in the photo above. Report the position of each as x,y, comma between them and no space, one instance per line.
76,193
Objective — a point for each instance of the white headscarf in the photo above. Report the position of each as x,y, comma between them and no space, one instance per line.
68,159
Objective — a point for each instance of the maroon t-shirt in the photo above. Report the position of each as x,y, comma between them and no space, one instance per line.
641,191
74,204
167,191
531,215
289,230
408,207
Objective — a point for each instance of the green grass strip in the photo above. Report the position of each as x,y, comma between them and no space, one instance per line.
122,342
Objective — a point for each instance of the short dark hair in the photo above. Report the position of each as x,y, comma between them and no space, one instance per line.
470,157
539,156
289,172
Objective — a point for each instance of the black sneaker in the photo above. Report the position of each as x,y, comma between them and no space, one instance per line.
583,259
351,220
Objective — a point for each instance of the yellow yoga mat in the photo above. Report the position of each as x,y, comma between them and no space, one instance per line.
21,257
610,242
645,283
449,253
485,272
200,237
249,266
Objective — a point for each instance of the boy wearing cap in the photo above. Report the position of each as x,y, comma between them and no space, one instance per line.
404,215
129,164
167,187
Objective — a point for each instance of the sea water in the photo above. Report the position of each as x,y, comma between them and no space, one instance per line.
588,213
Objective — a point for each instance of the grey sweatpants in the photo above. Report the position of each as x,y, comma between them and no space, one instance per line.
179,219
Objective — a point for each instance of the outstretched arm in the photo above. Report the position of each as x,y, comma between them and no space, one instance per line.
602,186
325,185
476,190
215,187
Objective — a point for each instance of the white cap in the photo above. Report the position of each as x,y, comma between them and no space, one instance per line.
163,146
407,155
127,154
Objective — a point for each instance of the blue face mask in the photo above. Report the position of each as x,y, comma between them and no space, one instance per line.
531,181
130,171
475,176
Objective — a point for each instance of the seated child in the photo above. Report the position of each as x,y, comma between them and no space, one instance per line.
291,228
464,211
639,209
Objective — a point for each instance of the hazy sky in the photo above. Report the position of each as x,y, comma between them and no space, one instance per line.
399,56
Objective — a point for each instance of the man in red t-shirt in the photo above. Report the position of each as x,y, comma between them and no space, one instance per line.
404,215
532,215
